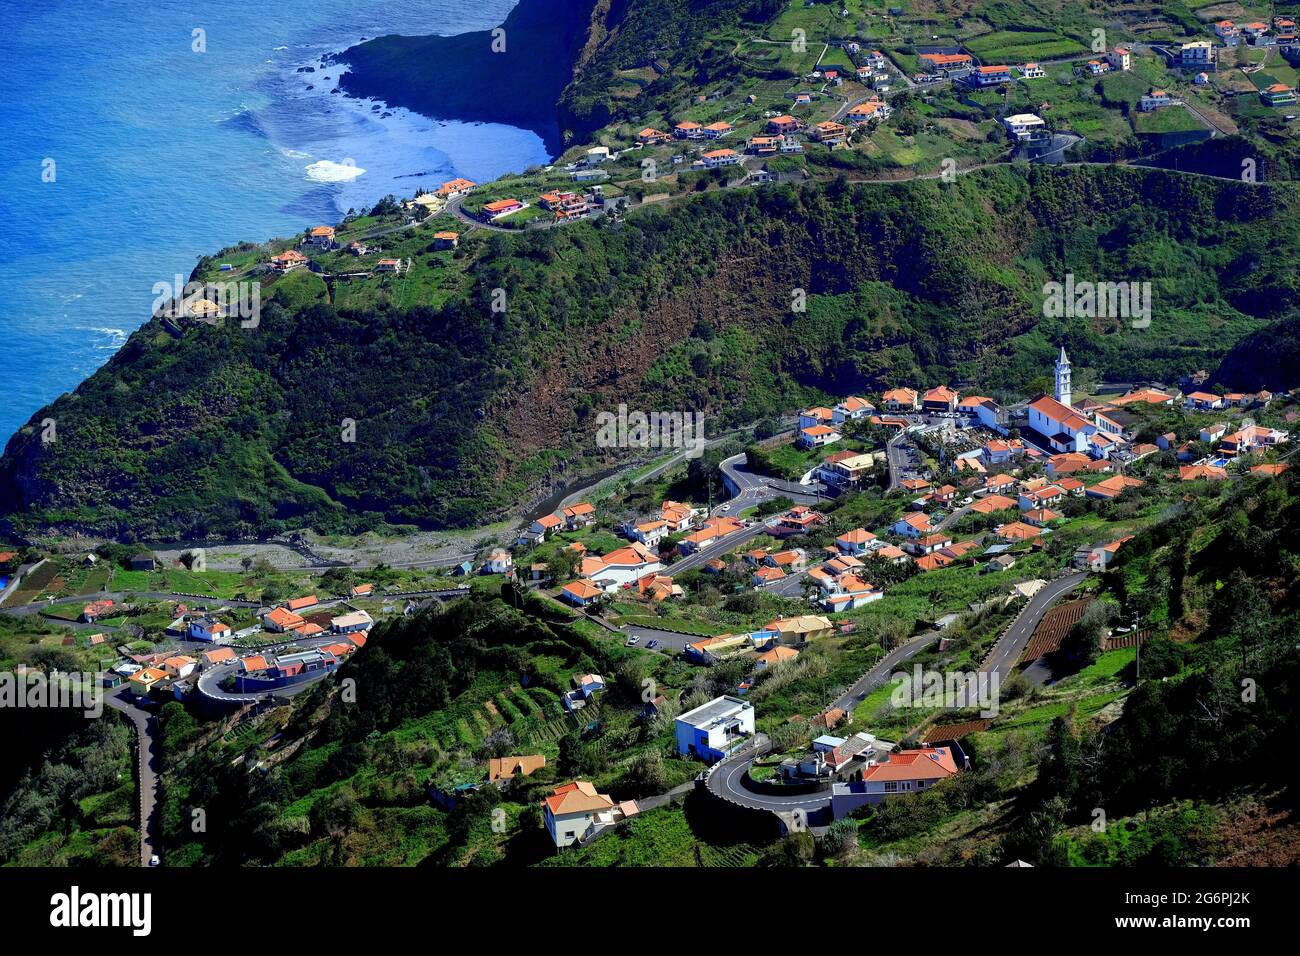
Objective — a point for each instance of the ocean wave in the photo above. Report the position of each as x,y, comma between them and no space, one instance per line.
246,121
327,171
116,337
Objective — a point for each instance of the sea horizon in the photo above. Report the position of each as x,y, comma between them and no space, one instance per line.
185,143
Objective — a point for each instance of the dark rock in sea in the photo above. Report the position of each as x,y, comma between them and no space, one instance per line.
335,90
385,114
306,69
520,86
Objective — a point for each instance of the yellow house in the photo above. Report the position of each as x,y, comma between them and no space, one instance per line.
798,630
142,681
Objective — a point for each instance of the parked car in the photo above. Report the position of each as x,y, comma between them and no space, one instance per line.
651,644
633,641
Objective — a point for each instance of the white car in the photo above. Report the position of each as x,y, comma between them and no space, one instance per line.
633,641
967,500
155,860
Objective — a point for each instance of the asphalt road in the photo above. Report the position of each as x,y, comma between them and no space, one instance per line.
1006,652
209,682
726,779
149,763
750,490
670,642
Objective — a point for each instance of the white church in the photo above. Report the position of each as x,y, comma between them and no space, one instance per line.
1062,426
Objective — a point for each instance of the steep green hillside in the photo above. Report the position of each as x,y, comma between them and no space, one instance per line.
347,779
459,410
1182,763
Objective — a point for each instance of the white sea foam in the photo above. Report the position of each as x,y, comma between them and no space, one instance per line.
327,171
115,338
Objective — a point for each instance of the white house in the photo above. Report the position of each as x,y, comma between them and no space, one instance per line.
1199,54
1156,99
817,415
905,771
574,810
851,409
712,730
1021,125
208,629
912,526
818,436
649,533
348,623
499,562
622,567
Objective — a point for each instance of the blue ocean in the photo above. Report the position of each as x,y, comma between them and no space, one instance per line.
141,134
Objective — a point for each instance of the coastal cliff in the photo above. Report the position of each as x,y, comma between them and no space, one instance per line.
515,76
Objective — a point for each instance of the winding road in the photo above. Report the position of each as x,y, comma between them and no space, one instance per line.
725,779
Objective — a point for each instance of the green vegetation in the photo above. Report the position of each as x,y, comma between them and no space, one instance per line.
899,289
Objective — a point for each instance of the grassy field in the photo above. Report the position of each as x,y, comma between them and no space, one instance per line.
1009,47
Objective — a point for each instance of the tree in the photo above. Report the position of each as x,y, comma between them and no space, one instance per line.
1058,774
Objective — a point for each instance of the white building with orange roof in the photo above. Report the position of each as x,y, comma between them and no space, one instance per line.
851,409
453,188
688,129
817,415
1060,426
288,260
179,665
577,810
580,593
547,524
1226,30
710,532
679,515
623,566
915,525
716,158
872,111
818,436
282,620
579,515
901,399
849,593
1203,401
322,236
857,541
941,398
901,772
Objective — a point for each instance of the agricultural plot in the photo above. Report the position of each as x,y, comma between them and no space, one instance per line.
1051,630
1009,46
